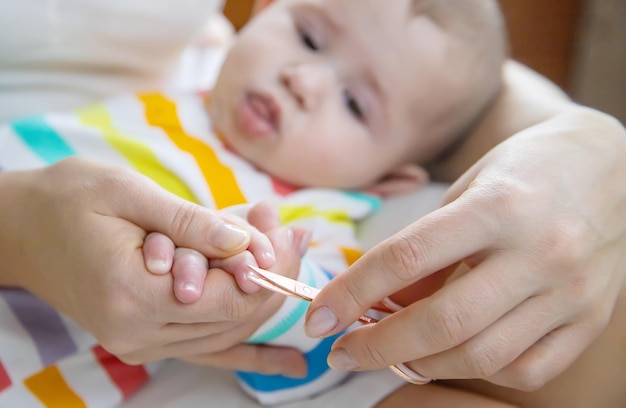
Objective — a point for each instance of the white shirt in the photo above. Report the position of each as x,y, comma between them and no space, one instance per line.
60,54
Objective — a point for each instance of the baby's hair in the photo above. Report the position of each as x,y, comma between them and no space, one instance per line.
479,36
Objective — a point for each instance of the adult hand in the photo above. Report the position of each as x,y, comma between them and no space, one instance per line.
290,246
72,234
190,268
541,223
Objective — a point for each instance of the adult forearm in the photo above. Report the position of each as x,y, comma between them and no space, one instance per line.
527,99
12,206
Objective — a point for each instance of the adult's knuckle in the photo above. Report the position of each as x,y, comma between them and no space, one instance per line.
479,361
566,244
184,217
406,256
374,355
445,324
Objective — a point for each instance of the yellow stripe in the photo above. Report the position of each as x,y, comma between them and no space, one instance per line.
290,213
161,112
51,389
136,152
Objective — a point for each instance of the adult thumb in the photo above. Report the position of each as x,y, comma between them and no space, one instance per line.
154,209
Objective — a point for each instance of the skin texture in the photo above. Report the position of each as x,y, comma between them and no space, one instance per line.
339,88
538,223
83,255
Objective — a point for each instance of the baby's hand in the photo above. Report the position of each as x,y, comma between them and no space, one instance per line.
290,245
189,268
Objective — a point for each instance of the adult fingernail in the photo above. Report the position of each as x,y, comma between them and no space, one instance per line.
320,322
228,236
340,359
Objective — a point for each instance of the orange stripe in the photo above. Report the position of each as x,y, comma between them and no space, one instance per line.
50,388
161,112
127,378
351,254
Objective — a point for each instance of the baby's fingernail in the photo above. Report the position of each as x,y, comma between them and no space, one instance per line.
190,286
269,256
228,236
158,266
321,321
340,359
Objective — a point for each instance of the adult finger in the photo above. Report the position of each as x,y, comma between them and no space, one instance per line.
153,208
551,355
234,304
440,322
269,360
439,239
497,346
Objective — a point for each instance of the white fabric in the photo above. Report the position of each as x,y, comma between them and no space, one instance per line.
61,54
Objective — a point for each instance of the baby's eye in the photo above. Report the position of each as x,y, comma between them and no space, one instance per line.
353,105
308,41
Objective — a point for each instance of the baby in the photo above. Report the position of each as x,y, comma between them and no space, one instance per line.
321,106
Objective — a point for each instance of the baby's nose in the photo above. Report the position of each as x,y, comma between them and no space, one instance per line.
307,82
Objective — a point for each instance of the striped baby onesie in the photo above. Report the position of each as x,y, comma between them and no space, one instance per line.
47,360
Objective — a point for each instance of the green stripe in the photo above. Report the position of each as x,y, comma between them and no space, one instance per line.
42,139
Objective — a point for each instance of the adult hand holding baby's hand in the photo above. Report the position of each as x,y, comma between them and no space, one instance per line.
546,255
72,234
190,268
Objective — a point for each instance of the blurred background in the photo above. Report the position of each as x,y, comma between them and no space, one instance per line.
578,44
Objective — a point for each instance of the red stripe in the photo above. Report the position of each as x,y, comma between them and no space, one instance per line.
283,188
126,377
5,380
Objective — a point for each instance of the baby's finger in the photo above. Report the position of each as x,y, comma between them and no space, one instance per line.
264,216
260,245
158,253
190,269
237,266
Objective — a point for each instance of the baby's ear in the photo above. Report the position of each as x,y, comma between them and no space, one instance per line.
405,179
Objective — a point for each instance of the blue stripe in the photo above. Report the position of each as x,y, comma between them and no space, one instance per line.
374,202
44,141
316,363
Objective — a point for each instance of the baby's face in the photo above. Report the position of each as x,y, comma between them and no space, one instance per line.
334,93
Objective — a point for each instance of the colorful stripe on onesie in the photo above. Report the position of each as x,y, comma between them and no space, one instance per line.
48,360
